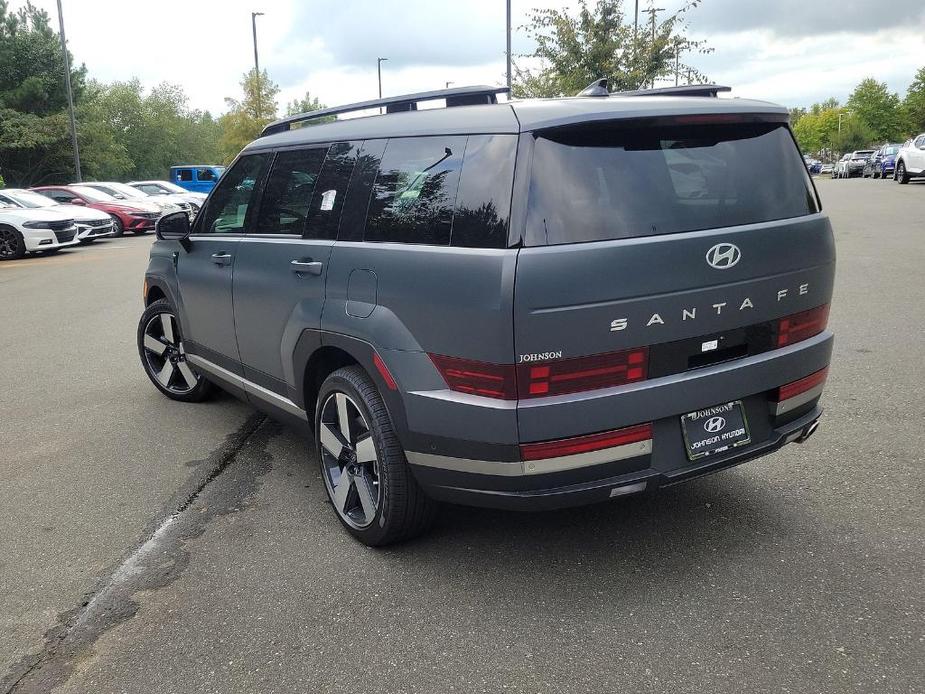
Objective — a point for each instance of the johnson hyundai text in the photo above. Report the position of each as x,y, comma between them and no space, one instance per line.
524,305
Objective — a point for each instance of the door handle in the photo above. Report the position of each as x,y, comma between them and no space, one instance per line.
307,267
222,258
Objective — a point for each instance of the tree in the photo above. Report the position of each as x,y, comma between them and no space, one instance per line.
877,111
247,117
914,104
573,51
34,130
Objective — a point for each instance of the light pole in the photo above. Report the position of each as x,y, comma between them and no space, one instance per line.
254,16
842,114
509,44
70,95
635,24
449,83
379,73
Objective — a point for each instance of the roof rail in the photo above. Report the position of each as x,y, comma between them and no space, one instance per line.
458,96
599,88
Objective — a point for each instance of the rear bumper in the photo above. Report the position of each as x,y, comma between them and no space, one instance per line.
497,491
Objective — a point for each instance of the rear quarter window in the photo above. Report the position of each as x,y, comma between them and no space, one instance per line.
596,183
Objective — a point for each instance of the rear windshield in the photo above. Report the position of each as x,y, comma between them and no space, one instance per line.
599,183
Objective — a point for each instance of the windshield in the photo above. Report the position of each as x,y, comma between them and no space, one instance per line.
169,187
892,149
862,155
596,183
93,194
27,198
125,190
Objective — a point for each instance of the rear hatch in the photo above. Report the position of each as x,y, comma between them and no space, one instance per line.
680,242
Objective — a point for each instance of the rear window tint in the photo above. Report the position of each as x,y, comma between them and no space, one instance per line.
597,183
415,190
483,203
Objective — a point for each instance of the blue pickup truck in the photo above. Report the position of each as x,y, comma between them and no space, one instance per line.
199,178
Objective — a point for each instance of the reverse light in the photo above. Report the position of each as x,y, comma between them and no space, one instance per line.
586,444
791,390
801,326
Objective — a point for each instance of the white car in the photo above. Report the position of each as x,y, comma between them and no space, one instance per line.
120,191
27,231
91,224
171,191
910,161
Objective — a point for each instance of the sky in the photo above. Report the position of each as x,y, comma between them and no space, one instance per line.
794,52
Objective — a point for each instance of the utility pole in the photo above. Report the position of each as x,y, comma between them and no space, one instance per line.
70,94
636,23
379,73
652,12
509,44
254,16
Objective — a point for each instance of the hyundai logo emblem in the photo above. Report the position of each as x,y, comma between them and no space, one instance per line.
714,424
723,256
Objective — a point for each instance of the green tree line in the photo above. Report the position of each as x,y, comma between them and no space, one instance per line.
872,116
123,130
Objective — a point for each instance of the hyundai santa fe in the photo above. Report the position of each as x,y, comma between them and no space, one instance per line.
522,304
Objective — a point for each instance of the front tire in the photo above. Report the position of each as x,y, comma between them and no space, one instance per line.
160,346
117,227
901,174
12,244
363,465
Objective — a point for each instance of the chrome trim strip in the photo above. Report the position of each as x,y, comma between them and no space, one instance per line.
531,467
785,406
249,387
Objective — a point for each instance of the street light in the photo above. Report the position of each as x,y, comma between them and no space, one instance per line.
254,16
449,83
70,95
379,73
840,115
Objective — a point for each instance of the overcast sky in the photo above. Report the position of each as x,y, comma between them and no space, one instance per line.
794,52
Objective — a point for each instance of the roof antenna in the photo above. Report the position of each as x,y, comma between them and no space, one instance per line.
596,88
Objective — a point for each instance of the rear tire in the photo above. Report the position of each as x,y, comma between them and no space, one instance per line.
901,176
366,475
117,228
12,244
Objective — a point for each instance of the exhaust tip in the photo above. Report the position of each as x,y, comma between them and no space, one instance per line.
807,432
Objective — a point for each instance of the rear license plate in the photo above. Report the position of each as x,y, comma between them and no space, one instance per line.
715,429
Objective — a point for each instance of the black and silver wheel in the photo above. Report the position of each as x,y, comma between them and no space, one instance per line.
363,465
163,356
901,174
12,244
117,228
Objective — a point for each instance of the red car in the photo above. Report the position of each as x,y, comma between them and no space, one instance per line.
136,216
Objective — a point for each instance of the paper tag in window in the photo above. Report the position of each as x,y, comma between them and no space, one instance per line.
327,199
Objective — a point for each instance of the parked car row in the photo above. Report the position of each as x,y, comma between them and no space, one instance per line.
901,162
46,219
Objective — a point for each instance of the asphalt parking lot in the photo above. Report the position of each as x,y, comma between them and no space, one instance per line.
151,546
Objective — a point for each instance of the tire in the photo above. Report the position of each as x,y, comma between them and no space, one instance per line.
117,228
12,244
393,508
901,174
160,346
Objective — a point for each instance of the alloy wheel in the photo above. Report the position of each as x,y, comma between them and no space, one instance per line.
165,355
349,461
9,243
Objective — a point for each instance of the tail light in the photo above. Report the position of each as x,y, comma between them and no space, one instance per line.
477,377
801,326
507,382
582,373
791,390
586,444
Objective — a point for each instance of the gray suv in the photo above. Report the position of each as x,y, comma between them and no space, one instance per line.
526,305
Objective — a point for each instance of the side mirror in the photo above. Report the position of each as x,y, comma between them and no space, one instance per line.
77,201
174,227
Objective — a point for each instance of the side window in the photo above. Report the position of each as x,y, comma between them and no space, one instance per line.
483,203
229,203
415,191
288,192
361,185
60,195
205,175
920,141
330,191
185,175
